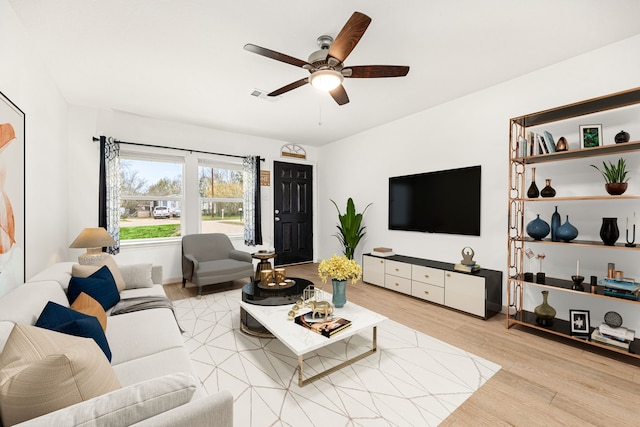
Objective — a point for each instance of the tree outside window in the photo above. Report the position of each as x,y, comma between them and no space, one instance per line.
221,200
150,199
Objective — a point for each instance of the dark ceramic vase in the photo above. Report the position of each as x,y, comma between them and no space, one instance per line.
609,232
622,136
538,228
548,190
555,224
567,232
533,191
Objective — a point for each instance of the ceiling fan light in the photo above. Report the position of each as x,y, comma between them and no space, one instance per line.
326,79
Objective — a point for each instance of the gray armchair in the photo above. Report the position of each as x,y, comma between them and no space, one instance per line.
210,258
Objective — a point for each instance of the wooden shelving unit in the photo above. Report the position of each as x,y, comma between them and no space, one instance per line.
517,239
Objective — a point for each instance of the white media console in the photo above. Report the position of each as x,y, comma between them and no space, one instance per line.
478,293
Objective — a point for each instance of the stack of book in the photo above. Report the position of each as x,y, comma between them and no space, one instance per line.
626,288
617,337
467,268
382,252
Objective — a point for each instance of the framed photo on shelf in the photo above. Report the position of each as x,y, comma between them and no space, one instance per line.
590,136
579,321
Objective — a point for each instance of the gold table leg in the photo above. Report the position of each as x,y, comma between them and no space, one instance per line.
303,382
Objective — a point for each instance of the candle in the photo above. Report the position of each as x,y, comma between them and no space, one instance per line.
578,268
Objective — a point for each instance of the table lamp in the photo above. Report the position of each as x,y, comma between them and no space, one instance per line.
94,239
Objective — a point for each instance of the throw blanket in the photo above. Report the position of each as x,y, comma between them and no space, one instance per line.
130,305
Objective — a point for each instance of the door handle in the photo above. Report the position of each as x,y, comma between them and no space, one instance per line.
276,211
276,219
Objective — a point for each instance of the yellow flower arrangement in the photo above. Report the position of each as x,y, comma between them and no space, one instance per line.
339,268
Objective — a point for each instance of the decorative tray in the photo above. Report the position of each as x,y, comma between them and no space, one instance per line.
276,286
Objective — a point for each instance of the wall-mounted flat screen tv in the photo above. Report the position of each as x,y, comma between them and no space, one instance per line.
446,201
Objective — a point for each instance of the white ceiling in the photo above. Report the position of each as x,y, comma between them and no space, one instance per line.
184,60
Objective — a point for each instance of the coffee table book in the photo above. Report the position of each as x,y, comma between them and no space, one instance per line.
326,327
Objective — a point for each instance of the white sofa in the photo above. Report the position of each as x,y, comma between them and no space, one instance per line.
148,355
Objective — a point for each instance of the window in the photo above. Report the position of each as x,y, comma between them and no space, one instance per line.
150,196
221,202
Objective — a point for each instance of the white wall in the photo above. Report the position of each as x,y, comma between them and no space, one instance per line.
86,123
26,82
475,130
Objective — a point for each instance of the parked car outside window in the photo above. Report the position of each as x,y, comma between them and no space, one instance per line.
161,212
176,213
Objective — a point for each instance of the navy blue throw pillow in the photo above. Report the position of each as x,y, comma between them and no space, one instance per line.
101,286
56,317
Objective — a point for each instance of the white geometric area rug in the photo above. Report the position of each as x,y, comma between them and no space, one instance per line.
412,380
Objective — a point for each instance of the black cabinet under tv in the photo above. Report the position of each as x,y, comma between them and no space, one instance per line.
478,293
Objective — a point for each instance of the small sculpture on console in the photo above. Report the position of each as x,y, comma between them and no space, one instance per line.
320,307
467,256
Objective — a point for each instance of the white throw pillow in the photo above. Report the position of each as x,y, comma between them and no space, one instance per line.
126,406
137,276
78,270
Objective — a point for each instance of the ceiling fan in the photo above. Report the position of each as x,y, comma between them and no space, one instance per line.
326,66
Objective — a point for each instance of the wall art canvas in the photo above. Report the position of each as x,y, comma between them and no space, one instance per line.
12,195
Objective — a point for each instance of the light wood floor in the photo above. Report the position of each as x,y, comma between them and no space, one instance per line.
544,380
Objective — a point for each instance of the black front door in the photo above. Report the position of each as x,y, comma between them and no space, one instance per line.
293,213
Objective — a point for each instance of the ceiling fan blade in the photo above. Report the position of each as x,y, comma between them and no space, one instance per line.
348,38
340,95
375,71
290,86
277,55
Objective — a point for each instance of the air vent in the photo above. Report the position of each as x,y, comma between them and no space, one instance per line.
259,93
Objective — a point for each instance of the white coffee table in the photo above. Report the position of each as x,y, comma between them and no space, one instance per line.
301,340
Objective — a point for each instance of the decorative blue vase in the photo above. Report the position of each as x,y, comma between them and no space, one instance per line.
555,224
339,292
538,228
567,231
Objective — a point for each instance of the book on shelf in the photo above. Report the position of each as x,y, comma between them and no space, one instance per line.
321,325
598,337
622,285
620,333
539,145
382,252
467,268
632,296
549,140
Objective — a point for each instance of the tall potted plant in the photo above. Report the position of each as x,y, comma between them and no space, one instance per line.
350,228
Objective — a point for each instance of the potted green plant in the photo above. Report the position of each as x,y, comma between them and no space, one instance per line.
350,228
615,176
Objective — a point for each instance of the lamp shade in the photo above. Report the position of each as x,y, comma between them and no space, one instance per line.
96,237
